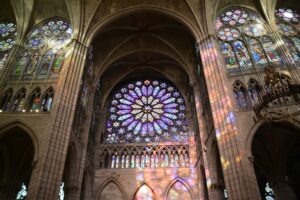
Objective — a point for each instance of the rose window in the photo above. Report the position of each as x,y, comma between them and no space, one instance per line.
146,111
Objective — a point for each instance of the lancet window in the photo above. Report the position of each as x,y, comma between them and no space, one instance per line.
288,25
5,100
8,32
244,41
44,50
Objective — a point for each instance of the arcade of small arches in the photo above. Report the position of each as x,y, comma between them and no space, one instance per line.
142,124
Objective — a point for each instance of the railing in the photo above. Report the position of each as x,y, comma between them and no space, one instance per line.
142,156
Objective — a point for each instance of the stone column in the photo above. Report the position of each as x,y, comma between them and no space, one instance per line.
226,130
48,173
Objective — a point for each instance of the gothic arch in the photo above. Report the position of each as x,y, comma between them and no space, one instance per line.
22,125
180,180
114,181
148,186
125,12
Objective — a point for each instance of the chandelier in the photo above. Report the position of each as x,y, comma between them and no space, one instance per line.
279,99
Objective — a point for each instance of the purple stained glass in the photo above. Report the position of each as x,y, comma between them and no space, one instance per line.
234,17
287,15
229,34
146,111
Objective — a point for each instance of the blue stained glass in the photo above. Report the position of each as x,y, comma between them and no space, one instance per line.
242,54
145,112
156,90
257,53
138,91
161,93
150,90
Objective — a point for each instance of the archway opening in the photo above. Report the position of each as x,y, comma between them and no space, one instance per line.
16,153
276,153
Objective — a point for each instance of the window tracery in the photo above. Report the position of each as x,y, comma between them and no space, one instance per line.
240,95
288,26
8,32
146,111
18,104
44,50
243,40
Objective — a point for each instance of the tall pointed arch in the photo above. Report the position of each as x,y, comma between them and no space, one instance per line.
144,192
178,189
111,189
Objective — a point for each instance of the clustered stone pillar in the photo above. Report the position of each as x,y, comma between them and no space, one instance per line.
236,178
50,168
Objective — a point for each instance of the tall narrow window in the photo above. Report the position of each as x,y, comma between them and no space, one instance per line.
47,100
240,95
270,49
254,89
256,52
8,32
287,25
229,57
242,55
6,100
35,100
18,104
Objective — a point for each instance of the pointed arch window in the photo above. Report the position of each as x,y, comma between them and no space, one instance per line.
257,52
245,31
35,100
240,95
144,193
18,104
242,55
254,88
269,47
44,50
47,100
5,100
288,26
8,33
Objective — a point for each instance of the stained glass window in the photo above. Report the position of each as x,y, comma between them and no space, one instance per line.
229,57
240,95
22,193
255,29
44,50
254,89
8,32
240,33
229,34
257,52
291,47
287,15
146,111
144,193
35,100
19,101
287,25
269,47
242,55
234,17
286,29
47,100
269,194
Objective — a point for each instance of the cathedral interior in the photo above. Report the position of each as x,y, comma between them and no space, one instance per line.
150,99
